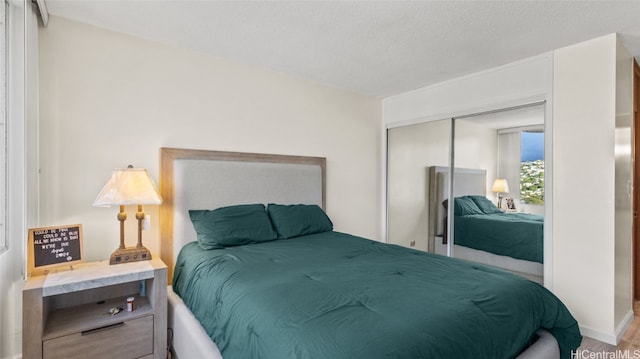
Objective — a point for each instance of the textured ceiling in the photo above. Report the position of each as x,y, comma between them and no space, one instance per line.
379,48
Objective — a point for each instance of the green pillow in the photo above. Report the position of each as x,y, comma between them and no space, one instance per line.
485,205
232,226
465,206
298,220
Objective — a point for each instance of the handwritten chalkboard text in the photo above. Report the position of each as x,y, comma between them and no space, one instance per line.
56,245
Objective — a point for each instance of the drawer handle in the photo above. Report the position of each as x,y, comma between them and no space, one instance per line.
106,327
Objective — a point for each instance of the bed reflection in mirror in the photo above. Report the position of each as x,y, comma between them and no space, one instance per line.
498,186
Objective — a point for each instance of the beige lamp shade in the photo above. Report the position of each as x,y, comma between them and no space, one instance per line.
500,185
129,186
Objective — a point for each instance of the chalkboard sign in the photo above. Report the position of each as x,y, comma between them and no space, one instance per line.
52,247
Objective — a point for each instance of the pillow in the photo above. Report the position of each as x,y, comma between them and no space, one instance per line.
298,220
463,206
485,205
232,226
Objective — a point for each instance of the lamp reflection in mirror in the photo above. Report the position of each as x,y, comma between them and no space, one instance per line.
500,187
129,186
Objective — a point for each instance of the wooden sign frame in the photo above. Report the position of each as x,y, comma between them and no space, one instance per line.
51,241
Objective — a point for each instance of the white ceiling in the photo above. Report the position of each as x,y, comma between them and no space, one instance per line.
379,48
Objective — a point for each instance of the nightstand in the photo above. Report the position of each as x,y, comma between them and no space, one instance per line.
66,314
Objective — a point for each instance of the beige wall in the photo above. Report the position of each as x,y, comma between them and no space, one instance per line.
476,147
412,150
108,100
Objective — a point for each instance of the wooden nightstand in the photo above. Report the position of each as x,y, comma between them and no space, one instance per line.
66,314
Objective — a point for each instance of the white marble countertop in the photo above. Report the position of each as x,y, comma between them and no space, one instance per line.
97,274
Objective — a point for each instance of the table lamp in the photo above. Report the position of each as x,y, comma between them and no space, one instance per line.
500,186
129,186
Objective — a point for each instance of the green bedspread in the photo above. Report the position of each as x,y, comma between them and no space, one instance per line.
517,235
333,295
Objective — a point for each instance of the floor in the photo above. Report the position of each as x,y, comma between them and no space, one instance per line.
630,341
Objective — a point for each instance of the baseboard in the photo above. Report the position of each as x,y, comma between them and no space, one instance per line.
606,337
609,338
624,325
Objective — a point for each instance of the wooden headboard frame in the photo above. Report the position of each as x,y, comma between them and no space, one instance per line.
170,157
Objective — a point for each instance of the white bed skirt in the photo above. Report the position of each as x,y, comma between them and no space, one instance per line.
531,270
191,341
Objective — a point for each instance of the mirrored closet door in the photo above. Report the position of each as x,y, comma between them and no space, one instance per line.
498,187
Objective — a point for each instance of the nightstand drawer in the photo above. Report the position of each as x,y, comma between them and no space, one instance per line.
127,339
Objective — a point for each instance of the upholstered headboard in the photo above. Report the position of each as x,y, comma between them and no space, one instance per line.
199,179
466,182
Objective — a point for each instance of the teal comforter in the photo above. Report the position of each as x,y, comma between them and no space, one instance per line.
333,295
517,235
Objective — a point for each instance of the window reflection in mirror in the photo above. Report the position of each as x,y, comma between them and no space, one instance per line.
532,167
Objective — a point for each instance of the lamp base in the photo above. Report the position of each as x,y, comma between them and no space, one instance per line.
131,254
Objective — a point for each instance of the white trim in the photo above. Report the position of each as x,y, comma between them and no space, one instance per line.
384,179
450,186
472,110
609,338
16,130
22,21
530,128
547,250
43,11
32,123
624,325
4,82
512,81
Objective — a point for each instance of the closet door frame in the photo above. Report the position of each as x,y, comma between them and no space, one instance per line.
498,107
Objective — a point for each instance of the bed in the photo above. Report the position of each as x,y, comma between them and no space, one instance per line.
517,235
321,273
482,232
